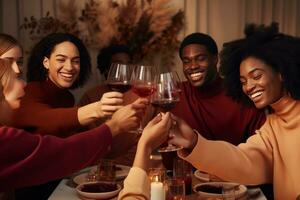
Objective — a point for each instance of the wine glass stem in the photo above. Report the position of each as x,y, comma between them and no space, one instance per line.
140,128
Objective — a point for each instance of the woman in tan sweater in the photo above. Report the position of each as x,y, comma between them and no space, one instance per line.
263,69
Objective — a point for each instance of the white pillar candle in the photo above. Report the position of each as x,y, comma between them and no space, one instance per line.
157,191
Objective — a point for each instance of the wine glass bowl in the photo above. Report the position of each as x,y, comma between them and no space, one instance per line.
165,97
177,81
142,80
143,90
119,77
167,92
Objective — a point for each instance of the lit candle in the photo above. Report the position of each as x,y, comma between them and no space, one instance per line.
157,190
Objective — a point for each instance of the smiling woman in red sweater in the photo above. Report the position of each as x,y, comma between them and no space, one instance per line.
59,62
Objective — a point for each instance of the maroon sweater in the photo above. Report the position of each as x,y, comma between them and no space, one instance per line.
215,115
27,159
47,110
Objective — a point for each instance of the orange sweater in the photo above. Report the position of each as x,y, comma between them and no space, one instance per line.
271,155
136,185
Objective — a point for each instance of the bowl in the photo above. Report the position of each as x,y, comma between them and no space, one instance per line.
121,173
98,190
205,177
220,190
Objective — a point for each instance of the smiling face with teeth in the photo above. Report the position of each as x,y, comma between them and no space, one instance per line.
260,82
63,65
199,66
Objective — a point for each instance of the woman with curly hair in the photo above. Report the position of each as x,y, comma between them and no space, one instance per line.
262,69
10,49
57,63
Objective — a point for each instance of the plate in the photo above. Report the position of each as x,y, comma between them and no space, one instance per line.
202,176
205,177
120,174
95,195
221,190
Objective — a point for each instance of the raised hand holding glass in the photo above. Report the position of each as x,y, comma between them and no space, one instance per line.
142,81
165,97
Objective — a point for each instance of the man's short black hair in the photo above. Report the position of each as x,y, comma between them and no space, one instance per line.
105,54
202,39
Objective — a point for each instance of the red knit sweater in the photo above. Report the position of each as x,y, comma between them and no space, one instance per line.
27,159
47,110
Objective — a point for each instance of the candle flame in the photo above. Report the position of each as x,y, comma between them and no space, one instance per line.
156,178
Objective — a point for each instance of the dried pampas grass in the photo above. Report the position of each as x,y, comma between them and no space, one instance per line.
148,27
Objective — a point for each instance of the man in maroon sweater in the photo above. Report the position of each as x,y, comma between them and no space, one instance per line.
203,102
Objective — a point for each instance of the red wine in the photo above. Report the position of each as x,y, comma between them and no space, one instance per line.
164,104
119,87
188,185
143,91
168,159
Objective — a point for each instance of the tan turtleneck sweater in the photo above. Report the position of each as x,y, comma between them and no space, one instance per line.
272,155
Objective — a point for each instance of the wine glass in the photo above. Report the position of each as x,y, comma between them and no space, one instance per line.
166,96
119,76
167,92
177,81
142,81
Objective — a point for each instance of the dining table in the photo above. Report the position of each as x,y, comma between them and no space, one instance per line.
66,190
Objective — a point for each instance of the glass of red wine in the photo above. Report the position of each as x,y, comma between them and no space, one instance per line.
142,80
119,77
177,81
165,98
167,92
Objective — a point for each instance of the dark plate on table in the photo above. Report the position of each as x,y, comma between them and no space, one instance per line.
98,190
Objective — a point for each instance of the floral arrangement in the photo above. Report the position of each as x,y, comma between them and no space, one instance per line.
148,27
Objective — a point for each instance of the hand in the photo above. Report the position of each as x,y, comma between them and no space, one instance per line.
182,134
156,132
109,103
128,117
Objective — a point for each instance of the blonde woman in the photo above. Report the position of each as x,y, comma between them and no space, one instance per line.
10,49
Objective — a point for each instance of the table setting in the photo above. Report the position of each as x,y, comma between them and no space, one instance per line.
175,179
104,181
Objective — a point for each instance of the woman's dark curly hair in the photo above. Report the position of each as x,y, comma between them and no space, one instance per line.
280,52
36,70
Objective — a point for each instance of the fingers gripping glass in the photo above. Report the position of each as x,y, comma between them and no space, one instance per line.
165,98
